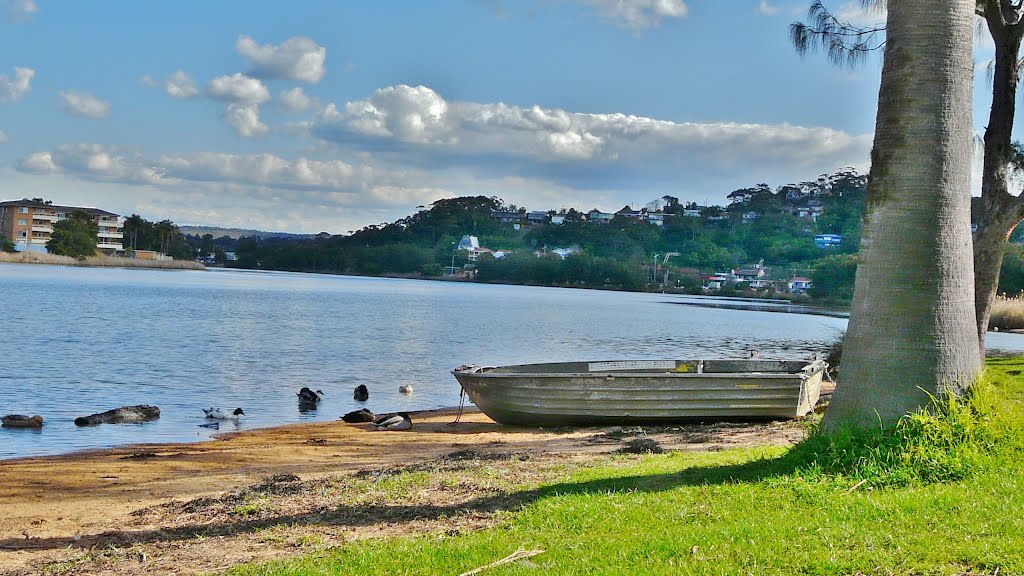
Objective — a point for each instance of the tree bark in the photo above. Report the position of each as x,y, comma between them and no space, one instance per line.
912,330
1000,211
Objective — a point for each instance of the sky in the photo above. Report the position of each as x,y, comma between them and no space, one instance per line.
330,116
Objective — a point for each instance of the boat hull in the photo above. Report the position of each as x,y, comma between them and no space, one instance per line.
645,391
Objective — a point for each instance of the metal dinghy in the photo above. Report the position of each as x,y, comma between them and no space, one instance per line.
643,391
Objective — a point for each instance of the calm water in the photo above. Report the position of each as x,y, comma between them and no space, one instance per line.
79,340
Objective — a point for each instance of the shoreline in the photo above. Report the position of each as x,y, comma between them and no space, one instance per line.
187,508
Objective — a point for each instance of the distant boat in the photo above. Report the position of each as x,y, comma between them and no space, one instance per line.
643,391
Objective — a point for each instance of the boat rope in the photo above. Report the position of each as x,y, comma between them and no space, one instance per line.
462,405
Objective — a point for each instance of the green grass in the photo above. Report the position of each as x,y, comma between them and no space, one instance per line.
943,493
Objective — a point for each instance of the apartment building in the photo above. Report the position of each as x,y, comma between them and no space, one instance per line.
30,222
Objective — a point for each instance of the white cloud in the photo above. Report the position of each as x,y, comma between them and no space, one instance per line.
418,120
238,88
3,137
180,85
264,177
84,104
21,9
639,14
295,100
12,90
147,80
767,9
856,13
298,58
245,119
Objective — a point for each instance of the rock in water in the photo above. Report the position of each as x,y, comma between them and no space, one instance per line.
122,415
357,416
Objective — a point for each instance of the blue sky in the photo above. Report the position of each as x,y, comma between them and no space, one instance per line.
330,116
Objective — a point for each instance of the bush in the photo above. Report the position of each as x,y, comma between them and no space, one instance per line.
7,245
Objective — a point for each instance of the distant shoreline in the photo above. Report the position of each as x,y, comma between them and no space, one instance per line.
96,261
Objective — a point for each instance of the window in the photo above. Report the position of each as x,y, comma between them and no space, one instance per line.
23,210
22,222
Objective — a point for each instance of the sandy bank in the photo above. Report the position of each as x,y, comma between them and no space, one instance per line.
97,261
188,508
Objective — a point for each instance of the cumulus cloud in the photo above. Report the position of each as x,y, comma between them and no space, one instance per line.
245,119
13,89
147,80
295,100
180,85
767,9
298,58
418,119
308,180
638,14
84,104
238,88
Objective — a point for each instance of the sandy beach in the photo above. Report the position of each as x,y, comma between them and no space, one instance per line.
277,492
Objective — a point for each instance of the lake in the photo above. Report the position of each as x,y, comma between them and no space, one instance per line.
83,340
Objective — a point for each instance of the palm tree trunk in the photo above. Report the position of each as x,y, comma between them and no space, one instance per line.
912,328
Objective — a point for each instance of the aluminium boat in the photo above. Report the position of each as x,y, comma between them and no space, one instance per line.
643,391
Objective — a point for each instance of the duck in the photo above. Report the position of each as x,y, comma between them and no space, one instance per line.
308,396
405,389
20,421
400,421
361,393
223,413
361,415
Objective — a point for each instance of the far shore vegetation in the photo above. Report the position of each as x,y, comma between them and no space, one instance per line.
940,493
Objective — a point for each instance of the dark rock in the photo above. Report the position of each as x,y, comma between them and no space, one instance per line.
122,415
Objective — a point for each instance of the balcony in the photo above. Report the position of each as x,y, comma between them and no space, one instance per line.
106,234
110,223
49,217
109,245
42,228
38,241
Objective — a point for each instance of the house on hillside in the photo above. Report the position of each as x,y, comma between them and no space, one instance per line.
506,216
537,217
597,217
799,284
828,240
714,281
656,219
558,219
469,243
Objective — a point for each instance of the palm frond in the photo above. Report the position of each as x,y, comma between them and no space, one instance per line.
843,43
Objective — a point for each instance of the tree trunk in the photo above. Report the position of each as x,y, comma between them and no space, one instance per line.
912,326
1000,211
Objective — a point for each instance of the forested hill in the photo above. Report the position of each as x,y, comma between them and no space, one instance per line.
624,250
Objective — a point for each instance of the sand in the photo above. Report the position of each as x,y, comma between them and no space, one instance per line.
174,508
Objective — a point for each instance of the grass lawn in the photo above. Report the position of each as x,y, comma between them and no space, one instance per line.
946,502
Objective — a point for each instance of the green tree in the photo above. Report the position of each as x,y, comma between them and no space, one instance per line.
6,244
74,236
912,330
